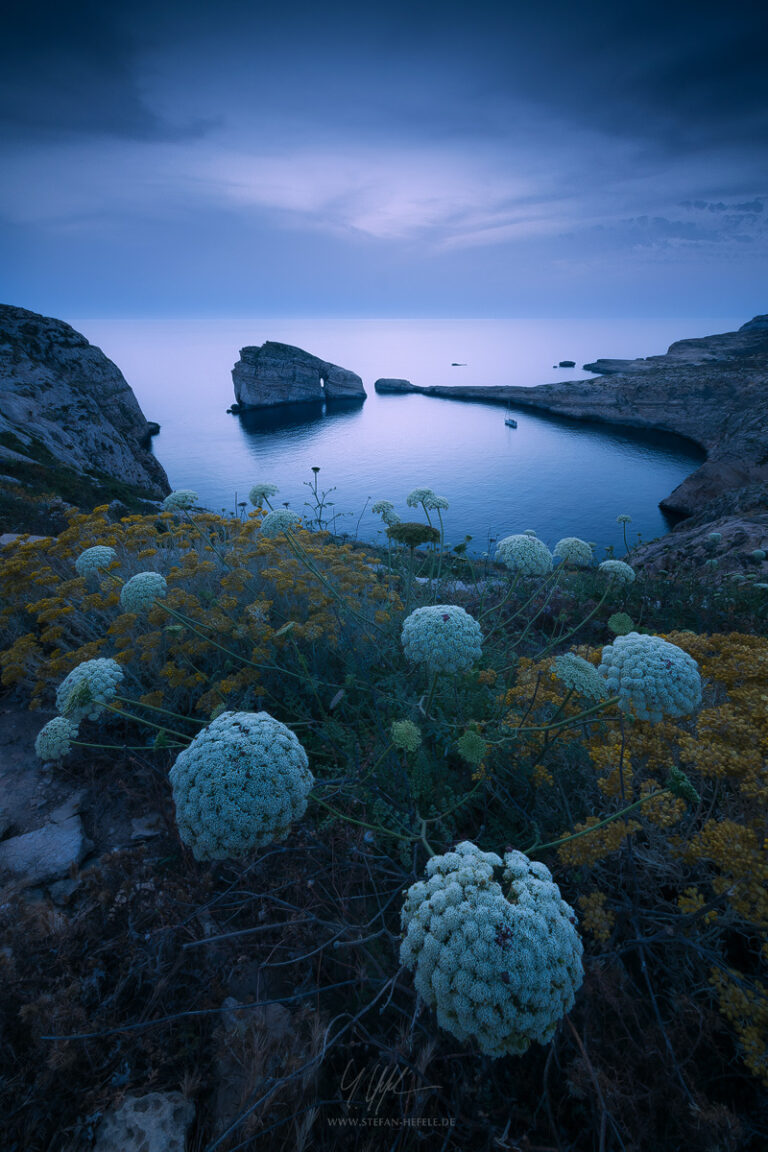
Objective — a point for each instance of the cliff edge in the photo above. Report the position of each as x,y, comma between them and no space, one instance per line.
69,422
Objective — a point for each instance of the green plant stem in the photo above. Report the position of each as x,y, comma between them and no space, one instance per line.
430,697
601,824
165,711
363,823
140,720
568,720
123,747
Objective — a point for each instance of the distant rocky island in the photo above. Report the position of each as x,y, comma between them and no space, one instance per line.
69,424
271,374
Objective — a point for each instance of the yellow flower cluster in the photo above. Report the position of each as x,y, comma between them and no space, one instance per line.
222,625
747,1010
587,850
595,918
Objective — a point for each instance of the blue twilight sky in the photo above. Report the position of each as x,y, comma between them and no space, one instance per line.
526,158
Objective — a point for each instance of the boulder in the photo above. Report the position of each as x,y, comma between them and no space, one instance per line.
157,1122
387,384
63,403
46,853
273,374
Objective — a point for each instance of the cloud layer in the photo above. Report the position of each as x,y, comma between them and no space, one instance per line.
423,156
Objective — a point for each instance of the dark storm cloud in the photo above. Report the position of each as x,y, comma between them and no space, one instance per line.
71,69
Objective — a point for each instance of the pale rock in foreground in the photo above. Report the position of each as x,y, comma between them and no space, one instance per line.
157,1122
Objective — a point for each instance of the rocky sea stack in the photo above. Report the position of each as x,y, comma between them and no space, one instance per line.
273,374
69,423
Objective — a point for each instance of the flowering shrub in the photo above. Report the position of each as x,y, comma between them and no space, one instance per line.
241,784
442,636
88,688
55,738
524,554
651,677
179,500
571,550
93,559
141,591
502,971
617,570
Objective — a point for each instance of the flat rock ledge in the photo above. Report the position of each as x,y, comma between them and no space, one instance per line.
272,374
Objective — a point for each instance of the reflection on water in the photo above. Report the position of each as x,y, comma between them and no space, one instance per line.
557,476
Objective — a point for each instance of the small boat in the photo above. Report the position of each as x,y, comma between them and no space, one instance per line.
509,420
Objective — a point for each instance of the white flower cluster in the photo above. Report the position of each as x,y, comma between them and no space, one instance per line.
524,554
281,520
580,676
89,562
88,687
442,636
503,971
617,570
55,738
572,550
239,785
261,492
651,677
386,509
140,592
181,498
427,498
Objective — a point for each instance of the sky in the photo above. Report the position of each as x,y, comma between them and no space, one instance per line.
532,159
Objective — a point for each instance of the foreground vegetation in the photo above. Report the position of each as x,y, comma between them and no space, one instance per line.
653,829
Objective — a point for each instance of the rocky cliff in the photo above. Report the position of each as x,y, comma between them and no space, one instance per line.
68,419
713,391
273,373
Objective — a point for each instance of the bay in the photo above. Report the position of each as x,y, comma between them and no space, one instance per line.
558,477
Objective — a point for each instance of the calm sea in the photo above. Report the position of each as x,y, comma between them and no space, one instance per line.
557,477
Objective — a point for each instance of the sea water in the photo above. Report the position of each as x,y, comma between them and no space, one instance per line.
559,477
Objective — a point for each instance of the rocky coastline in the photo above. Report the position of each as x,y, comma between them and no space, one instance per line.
711,390
69,425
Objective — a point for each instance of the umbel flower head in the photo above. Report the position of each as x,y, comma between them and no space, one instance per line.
524,554
180,499
572,550
406,735
442,636
140,592
90,561
239,785
278,521
579,676
88,687
500,970
617,570
54,739
623,519
261,492
386,509
651,677
425,497
413,533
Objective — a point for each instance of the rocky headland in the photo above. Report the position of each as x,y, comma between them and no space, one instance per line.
272,374
70,425
712,390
